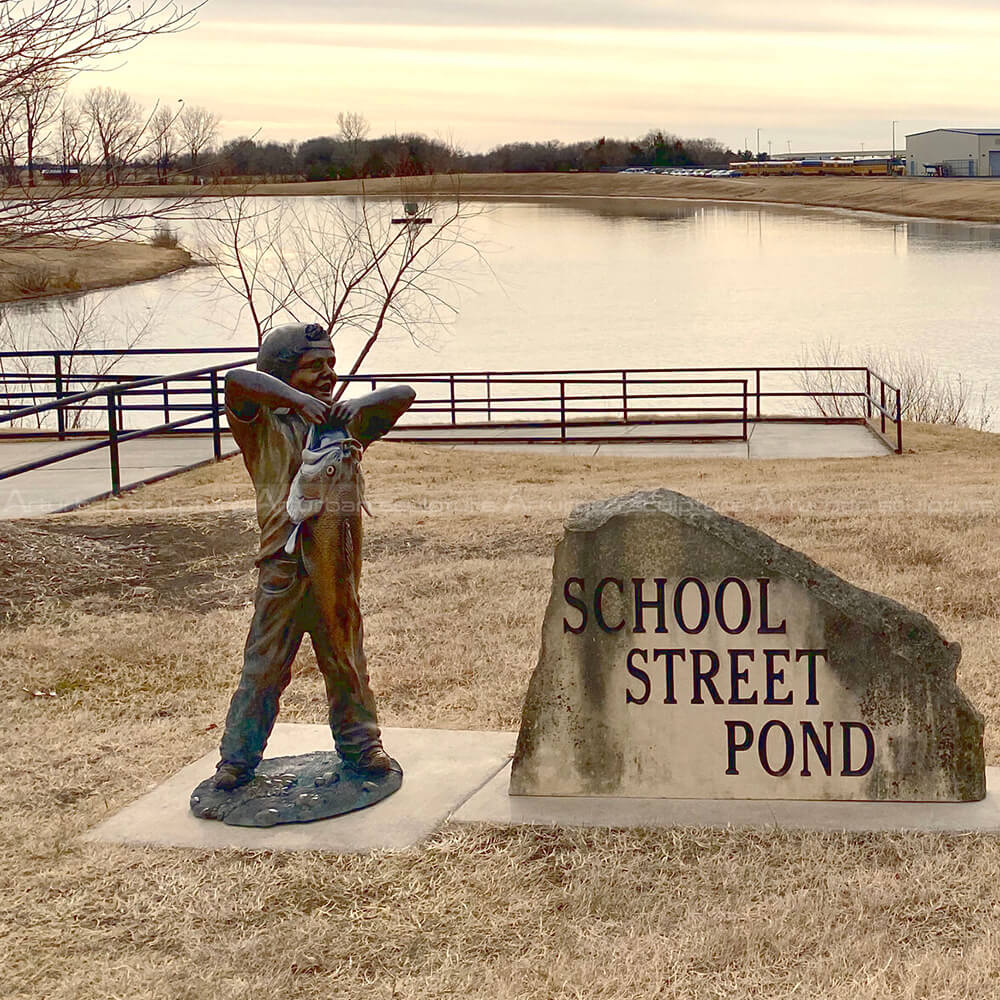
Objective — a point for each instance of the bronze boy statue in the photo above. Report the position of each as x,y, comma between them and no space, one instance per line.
310,543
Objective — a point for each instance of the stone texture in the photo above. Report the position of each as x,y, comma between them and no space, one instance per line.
861,702
296,789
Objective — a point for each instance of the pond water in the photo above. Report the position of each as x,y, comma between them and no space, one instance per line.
592,283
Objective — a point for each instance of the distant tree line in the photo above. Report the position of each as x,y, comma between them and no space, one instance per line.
106,136
351,154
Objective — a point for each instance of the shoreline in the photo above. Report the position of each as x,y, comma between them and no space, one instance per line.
34,275
107,265
943,199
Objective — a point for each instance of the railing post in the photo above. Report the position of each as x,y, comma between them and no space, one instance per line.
451,380
60,415
624,397
899,423
746,405
562,411
116,476
868,393
882,410
216,429
166,403
489,400
757,391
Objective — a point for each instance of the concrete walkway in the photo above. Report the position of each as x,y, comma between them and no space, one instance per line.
88,477
462,777
768,440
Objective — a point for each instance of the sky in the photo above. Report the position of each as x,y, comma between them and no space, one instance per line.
478,73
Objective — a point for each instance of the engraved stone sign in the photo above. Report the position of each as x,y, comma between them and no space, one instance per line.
687,655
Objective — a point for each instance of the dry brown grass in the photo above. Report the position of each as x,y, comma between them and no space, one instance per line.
458,563
53,270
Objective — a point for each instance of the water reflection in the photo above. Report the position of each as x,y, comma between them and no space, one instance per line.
653,283
924,236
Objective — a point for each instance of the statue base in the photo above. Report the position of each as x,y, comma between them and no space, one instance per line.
295,790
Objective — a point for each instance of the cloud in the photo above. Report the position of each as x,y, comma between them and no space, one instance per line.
738,16
491,72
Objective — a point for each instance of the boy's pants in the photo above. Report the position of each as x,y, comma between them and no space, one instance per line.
284,610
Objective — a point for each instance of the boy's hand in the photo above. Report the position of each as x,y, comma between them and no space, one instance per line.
313,410
343,412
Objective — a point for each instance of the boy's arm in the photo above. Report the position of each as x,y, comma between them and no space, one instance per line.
247,391
371,416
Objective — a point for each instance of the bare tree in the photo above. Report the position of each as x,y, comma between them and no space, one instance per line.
342,263
40,98
69,36
163,138
11,138
353,126
353,129
73,137
118,126
198,129
44,38
25,113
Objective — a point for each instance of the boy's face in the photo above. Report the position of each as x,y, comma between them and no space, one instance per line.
315,374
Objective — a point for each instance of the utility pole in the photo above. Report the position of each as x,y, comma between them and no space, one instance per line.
892,162
758,144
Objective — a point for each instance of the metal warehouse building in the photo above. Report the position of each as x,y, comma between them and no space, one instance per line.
954,152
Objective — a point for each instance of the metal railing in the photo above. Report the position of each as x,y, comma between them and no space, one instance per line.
875,401
115,402
564,407
59,375
584,406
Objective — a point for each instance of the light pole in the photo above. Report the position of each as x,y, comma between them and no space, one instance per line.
892,162
758,144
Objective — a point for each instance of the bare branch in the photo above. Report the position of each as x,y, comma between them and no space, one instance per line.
69,36
198,129
341,263
43,43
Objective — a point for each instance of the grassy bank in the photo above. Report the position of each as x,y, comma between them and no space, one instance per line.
134,613
54,270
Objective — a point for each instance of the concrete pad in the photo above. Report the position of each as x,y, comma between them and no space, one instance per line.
545,448
441,769
676,449
788,440
766,441
492,804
